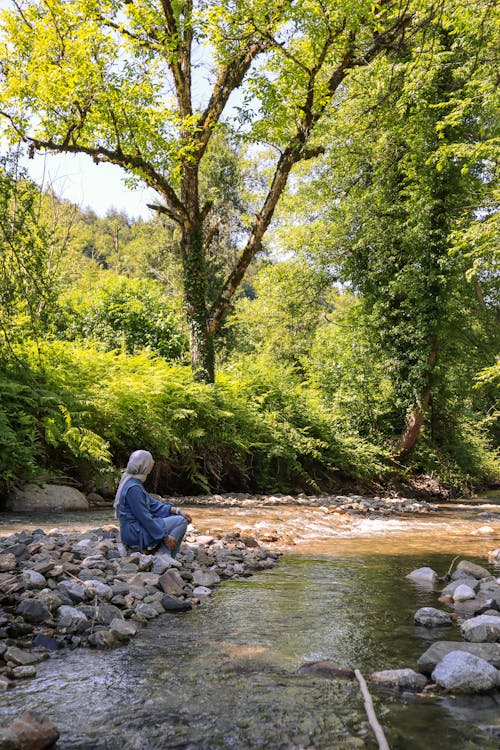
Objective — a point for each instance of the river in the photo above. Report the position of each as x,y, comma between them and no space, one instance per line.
224,676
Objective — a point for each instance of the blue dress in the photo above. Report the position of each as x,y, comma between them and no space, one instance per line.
144,521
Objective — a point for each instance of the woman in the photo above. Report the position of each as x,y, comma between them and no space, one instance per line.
147,524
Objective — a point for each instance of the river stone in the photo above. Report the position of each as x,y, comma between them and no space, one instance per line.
22,658
170,604
50,599
423,575
45,498
490,652
33,580
94,588
494,555
463,592
73,589
171,582
430,617
161,563
472,607
33,611
403,679
9,740
103,614
7,562
47,642
201,591
105,639
325,668
481,629
71,619
205,578
123,629
450,589
473,570
23,673
149,611
462,672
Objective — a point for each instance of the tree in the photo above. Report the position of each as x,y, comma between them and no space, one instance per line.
417,178
118,81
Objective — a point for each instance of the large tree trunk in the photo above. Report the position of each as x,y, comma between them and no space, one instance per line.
195,283
416,416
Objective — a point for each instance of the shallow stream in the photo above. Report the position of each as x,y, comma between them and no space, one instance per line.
224,676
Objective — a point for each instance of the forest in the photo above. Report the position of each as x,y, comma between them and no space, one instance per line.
313,303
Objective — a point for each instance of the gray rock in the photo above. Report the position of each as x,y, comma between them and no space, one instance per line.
430,617
149,611
161,563
23,673
71,619
21,658
170,604
9,740
33,611
449,590
171,582
473,570
490,652
33,580
94,588
205,578
462,672
423,575
47,497
481,629
403,679
472,607
123,629
463,592
201,591
105,639
74,590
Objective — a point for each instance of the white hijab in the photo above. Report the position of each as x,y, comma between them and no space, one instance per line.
139,466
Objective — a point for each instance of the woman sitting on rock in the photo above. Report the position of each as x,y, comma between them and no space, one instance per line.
146,524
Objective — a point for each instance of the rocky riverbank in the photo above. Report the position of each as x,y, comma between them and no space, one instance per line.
67,590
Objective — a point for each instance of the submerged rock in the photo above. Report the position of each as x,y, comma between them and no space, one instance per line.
325,668
403,679
424,575
430,617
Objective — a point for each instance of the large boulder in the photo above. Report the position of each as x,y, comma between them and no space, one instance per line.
490,652
481,629
47,497
465,673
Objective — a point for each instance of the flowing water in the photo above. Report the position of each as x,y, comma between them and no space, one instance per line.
224,676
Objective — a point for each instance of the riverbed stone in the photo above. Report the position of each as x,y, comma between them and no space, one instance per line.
463,592
430,617
23,673
123,629
171,582
33,580
462,672
472,569
427,662
451,587
326,668
34,611
21,658
171,604
205,578
47,497
494,556
423,575
402,679
8,562
73,589
472,607
94,587
481,629
201,591
9,740
71,619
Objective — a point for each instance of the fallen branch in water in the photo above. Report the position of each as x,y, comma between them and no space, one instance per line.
377,729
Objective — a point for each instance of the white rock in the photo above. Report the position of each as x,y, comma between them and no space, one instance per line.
462,593
423,574
201,591
481,629
462,672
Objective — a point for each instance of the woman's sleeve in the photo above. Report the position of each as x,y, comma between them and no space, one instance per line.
140,507
159,509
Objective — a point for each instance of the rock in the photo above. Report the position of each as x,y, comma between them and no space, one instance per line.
430,617
161,563
463,592
493,556
71,619
105,639
149,611
201,591
21,658
170,604
23,673
93,588
472,607
205,578
403,679
462,672
45,498
123,629
9,740
33,580
423,575
33,611
34,731
171,582
73,589
47,642
8,562
490,652
450,589
483,530
481,629
473,570
325,668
